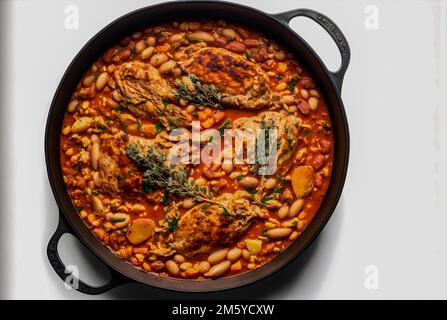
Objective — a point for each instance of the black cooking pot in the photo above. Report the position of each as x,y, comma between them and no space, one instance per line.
274,25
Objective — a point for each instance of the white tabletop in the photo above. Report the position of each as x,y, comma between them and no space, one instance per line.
387,237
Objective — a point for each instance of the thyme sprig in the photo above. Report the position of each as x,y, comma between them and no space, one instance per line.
160,173
206,95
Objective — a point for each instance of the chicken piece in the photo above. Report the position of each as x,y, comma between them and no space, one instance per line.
108,171
242,84
205,228
287,129
147,94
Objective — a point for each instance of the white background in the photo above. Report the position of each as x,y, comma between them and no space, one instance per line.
392,214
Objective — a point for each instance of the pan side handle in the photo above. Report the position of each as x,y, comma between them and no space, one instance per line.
334,32
66,275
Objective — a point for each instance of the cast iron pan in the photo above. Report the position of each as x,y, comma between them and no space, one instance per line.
276,26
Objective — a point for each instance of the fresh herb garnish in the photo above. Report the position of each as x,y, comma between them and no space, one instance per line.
95,193
306,132
224,126
160,173
206,95
278,77
292,82
165,103
119,109
117,219
172,222
249,55
158,127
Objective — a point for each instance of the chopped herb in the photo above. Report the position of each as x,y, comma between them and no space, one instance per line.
326,126
165,103
160,173
133,52
204,207
172,222
119,177
79,208
292,82
251,191
211,139
278,77
125,230
195,114
117,219
224,126
139,125
231,39
264,200
240,177
249,55
95,193
158,127
166,200
225,211
306,132
119,109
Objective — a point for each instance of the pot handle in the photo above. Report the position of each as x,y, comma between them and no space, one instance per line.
333,31
61,270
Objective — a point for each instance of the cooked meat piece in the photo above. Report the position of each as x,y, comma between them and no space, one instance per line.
148,94
205,228
287,127
242,84
108,171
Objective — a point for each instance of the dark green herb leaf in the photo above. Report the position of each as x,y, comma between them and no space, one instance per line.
224,126
158,127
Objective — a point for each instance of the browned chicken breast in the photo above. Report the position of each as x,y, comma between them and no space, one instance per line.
242,84
147,94
208,227
287,129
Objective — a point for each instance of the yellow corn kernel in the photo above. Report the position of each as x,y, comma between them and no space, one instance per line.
270,225
251,266
83,214
300,225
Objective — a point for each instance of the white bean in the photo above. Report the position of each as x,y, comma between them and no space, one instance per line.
172,267
95,154
229,33
158,59
88,81
313,103
278,233
283,212
227,167
217,256
204,267
295,208
73,105
219,269
200,36
102,81
167,66
270,183
248,182
147,53
140,46
234,254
